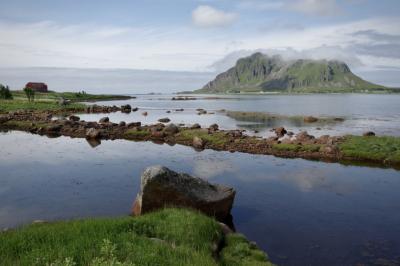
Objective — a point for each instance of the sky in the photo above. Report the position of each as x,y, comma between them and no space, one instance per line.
200,36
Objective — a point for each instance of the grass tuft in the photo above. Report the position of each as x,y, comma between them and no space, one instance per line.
385,149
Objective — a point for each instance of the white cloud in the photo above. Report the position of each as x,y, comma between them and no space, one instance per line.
207,16
314,7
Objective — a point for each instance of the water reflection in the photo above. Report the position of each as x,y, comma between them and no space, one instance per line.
297,210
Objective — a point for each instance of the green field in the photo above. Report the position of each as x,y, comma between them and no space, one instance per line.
72,96
166,237
38,105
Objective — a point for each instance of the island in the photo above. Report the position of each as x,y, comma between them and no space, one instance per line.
260,73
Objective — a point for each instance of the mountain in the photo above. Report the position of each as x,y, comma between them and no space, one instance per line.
261,73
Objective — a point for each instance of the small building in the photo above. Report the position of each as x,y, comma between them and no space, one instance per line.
37,86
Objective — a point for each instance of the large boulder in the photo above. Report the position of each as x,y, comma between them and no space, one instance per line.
92,133
161,187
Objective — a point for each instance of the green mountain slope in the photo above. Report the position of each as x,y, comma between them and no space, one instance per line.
260,73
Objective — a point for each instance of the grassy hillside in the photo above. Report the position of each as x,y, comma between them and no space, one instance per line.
259,73
167,237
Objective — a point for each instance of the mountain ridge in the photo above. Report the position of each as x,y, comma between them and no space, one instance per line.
262,73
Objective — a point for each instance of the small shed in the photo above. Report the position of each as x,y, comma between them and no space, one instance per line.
37,86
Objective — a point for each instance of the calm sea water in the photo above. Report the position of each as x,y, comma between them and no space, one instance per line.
301,212
362,112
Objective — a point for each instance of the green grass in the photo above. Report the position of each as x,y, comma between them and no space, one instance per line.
239,252
216,138
72,96
166,237
39,105
372,148
134,134
297,147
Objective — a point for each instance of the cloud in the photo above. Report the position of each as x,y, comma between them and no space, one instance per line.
207,16
314,7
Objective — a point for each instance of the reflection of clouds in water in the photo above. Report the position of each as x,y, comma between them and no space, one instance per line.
319,179
210,167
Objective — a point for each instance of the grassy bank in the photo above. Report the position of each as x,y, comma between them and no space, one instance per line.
72,96
38,105
386,149
167,237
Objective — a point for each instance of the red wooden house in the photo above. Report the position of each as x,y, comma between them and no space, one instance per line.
37,86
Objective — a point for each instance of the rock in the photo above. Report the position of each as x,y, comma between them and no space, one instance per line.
179,110
104,120
4,118
54,128
74,118
135,109
168,111
201,112
161,187
134,124
171,129
280,131
145,113
290,133
310,119
338,119
164,120
195,126
92,133
213,127
126,108
303,136
198,143
122,124
369,134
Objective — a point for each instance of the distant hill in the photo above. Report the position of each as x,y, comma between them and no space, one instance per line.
261,73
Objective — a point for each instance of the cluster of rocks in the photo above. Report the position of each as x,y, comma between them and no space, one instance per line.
201,111
183,98
25,115
109,109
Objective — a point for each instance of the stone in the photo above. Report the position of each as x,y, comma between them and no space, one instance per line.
164,120
195,126
126,108
310,119
74,118
135,109
122,124
162,187
92,133
213,127
171,129
280,131
369,134
104,120
145,113
198,143
134,124
303,136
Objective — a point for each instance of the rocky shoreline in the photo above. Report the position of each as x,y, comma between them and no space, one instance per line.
284,144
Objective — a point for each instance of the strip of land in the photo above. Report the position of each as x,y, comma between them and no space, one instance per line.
166,237
372,150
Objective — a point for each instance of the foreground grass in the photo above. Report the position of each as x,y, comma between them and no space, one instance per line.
13,105
386,149
167,237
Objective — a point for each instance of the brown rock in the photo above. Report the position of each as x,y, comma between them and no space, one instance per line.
198,143
164,120
280,131
74,118
171,129
310,119
134,124
303,136
92,133
104,120
145,113
213,127
161,187
195,126
369,134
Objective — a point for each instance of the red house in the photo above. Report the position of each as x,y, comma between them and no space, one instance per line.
37,86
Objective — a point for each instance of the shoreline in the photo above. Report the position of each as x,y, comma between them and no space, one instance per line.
337,149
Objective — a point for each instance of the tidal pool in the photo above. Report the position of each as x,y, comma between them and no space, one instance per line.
300,212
